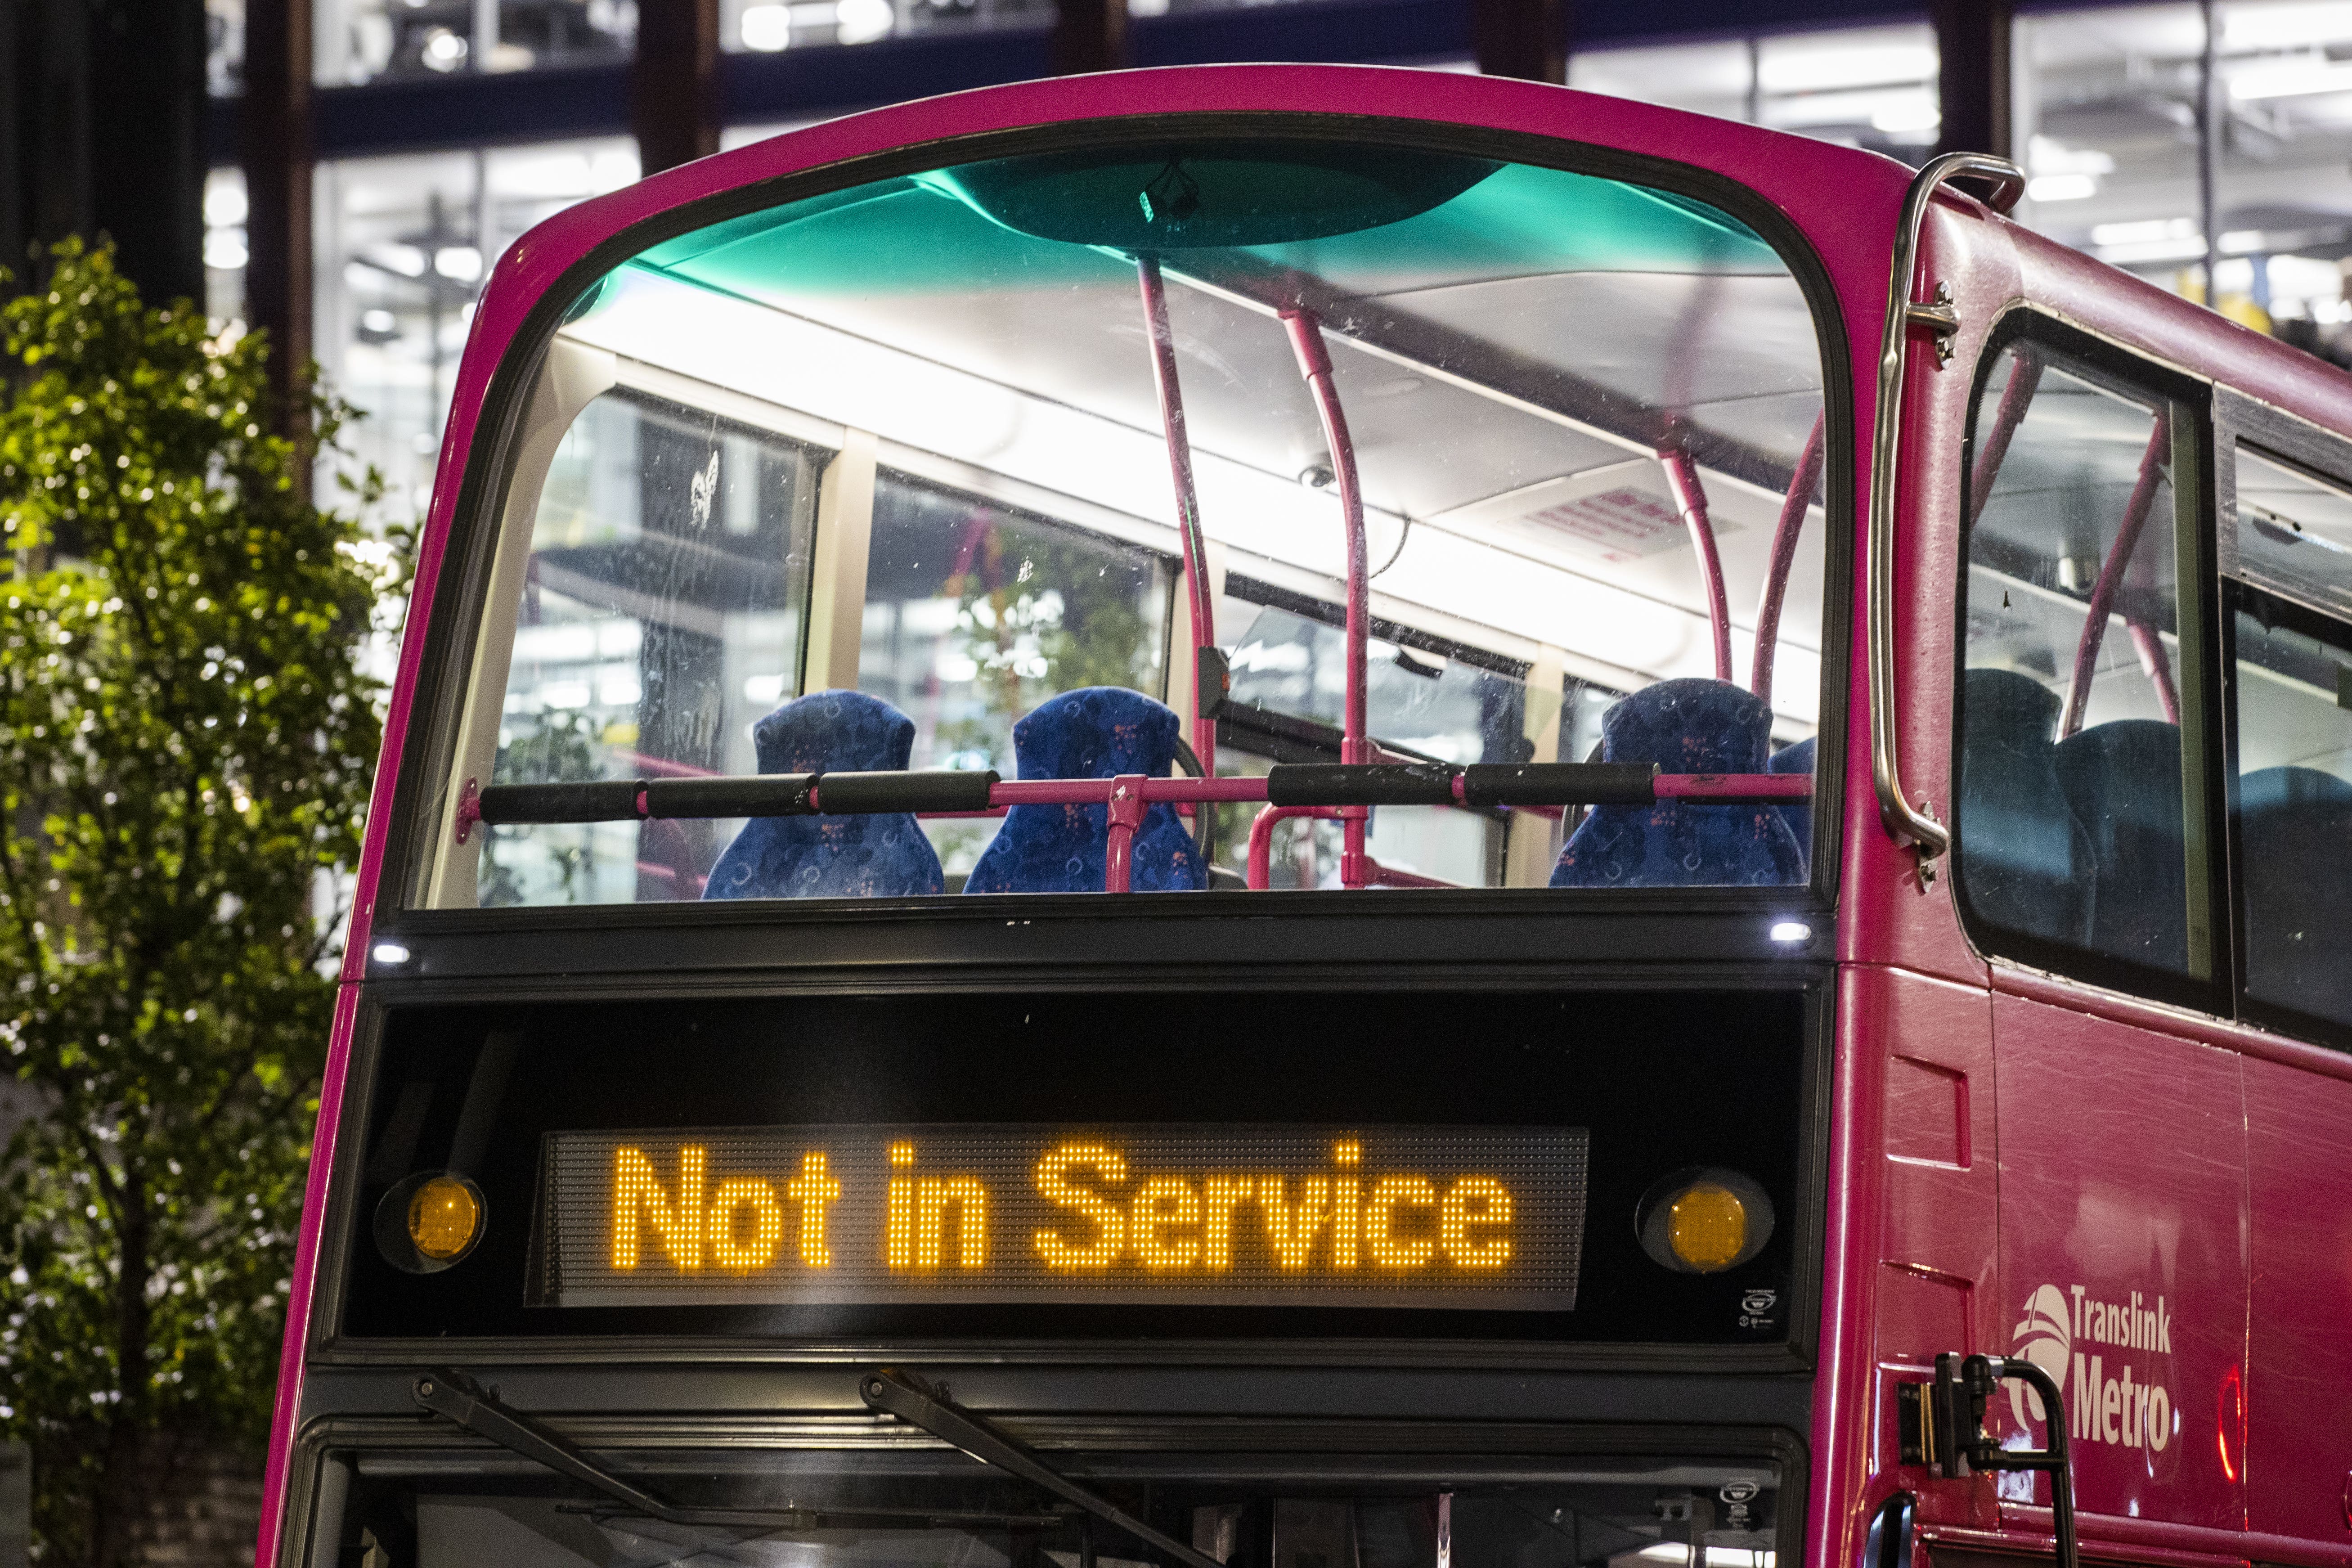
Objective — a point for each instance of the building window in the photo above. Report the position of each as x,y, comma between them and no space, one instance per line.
765,26
224,244
225,47
2109,128
1860,87
403,244
359,41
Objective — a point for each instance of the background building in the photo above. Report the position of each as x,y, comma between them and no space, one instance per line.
343,171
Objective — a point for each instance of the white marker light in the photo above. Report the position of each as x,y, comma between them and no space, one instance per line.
1789,931
390,952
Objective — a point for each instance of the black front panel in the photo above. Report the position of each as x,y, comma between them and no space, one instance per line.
1623,1502
1335,1095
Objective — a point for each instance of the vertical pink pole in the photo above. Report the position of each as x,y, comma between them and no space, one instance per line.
2024,380
1785,534
1188,501
1127,808
1690,499
1355,744
2111,574
2152,660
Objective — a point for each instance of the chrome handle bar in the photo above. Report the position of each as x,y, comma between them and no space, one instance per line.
1908,823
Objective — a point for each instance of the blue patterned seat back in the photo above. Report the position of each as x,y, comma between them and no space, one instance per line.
878,857
1093,732
2024,860
1797,815
2294,828
2123,779
1688,726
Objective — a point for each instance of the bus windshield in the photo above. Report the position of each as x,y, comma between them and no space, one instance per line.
1121,500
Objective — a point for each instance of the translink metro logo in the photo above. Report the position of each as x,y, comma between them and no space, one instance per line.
2111,1394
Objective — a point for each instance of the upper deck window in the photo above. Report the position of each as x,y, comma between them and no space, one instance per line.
984,469
2289,604
2079,821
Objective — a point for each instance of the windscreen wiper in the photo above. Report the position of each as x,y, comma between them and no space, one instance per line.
458,1398
916,1404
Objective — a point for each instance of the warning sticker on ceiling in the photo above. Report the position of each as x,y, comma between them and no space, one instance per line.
1620,525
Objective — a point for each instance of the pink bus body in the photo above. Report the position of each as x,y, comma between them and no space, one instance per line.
2011,1156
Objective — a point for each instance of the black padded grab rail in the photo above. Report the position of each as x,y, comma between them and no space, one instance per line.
1559,783
766,794
1480,786
1359,783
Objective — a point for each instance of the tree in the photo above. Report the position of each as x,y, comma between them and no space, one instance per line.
186,736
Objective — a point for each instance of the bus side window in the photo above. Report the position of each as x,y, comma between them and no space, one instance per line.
2074,846
2292,680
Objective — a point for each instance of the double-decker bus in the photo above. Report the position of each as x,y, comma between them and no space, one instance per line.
1309,817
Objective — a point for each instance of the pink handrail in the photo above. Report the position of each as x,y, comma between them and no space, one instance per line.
1005,793
1690,499
1785,534
1188,501
1260,877
2111,574
1306,329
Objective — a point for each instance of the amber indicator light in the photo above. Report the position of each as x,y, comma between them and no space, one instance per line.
1704,1220
443,1218
430,1221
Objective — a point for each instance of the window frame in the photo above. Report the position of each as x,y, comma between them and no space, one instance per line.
2205,807
2294,443
490,470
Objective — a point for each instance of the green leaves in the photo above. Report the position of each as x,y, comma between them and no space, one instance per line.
186,740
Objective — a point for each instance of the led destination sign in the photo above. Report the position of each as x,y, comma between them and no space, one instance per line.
1476,1218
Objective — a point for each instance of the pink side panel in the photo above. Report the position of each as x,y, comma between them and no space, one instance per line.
1845,1407
1937,1252
288,1403
2299,1383
2124,1254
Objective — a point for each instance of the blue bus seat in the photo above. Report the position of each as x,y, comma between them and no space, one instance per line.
1688,726
1797,758
2024,860
1093,732
879,857
2123,779
2294,826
